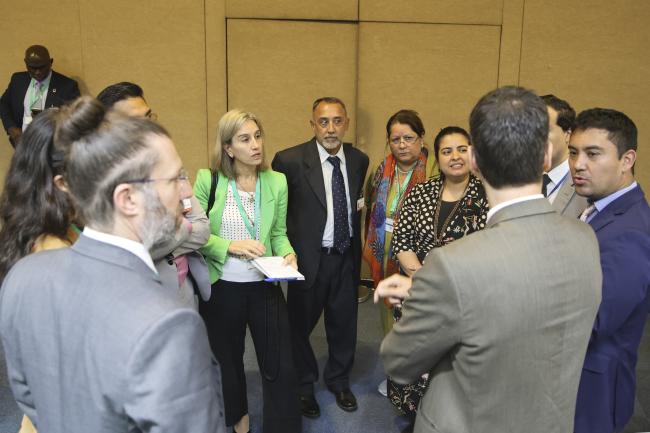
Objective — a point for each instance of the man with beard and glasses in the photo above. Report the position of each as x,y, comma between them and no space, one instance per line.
325,178
92,343
181,268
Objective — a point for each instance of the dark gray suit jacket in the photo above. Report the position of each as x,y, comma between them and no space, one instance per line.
501,319
95,344
307,211
61,90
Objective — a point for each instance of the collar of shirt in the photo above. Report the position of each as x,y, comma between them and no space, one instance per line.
323,154
44,84
603,202
132,246
558,173
500,206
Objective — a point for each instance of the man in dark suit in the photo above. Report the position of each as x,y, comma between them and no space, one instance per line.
501,319
602,156
92,341
325,178
557,185
31,92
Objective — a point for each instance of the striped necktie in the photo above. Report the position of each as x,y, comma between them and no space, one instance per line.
591,209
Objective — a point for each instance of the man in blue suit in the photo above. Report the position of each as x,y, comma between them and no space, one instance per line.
602,153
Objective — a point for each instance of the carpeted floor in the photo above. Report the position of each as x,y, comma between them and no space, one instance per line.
375,414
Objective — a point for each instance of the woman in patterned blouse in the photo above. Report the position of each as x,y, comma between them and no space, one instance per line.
435,213
442,209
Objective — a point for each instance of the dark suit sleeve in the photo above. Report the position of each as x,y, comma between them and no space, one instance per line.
277,164
431,322
74,93
174,385
5,107
626,271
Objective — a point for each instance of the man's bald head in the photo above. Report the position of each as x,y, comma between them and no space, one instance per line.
38,62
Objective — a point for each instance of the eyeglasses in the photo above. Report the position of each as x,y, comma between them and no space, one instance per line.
408,139
337,121
182,177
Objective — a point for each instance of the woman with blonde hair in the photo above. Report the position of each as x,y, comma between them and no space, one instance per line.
246,203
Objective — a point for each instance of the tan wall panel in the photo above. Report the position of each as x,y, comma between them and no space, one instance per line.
432,11
276,69
344,10
167,59
510,52
216,66
60,34
595,56
438,70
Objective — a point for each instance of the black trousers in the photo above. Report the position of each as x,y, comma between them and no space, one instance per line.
335,294
262,307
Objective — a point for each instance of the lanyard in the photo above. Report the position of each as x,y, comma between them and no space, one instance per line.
244,216
558,185
36,95
400,191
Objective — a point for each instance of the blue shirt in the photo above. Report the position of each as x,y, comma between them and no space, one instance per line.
603,202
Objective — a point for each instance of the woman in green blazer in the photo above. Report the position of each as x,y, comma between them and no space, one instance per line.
248,220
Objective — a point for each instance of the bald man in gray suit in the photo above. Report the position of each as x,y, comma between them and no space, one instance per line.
501,318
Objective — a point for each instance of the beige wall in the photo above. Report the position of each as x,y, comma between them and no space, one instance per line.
276,69
437,79
592,56
195,58
159,45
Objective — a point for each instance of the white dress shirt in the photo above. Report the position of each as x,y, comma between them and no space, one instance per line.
558,175
328,233
507,203
31,97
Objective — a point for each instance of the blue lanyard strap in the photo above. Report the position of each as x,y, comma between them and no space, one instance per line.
252,228
557,185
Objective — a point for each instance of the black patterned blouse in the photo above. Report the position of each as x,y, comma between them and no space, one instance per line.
415,229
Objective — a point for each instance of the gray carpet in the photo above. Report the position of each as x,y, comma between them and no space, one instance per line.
375,414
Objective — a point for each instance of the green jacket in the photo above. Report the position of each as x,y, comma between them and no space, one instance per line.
273,214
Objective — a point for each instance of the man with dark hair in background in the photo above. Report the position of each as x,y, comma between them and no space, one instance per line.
30,92
500,318
325,178
557,184
126,98
92,343
602,153
182,269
